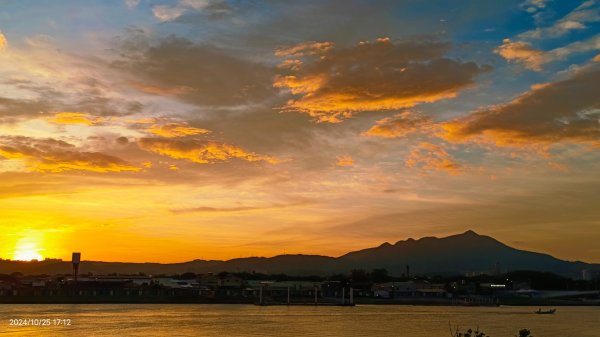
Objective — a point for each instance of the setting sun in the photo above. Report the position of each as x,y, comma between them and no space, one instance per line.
27,255
27,249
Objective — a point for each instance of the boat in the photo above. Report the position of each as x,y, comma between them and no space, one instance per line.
545,312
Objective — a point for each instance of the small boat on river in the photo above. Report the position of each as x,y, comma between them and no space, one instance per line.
545,312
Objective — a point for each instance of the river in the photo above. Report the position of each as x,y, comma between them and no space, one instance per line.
249,320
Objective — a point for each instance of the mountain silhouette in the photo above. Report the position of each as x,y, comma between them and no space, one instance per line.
463,253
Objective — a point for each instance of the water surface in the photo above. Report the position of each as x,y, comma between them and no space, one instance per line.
249,320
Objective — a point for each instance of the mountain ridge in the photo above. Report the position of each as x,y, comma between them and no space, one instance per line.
466,252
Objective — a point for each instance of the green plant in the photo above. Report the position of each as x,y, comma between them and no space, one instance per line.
468,333
471,333
476,333
524,333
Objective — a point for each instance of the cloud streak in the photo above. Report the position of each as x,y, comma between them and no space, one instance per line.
237,209
172,130
201,151
533,59
400,125
75,118
577,19
430,157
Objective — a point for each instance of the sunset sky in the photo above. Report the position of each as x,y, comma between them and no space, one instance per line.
151,130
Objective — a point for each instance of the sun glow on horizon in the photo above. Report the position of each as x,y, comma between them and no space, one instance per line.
28,249
27,256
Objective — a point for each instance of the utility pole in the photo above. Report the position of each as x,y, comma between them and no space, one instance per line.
75,259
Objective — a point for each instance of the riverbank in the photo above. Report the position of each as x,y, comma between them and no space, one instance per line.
297,302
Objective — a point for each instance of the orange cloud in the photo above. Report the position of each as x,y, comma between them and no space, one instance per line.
331,85
521,52
400,125
432,157
50,155
2,40
296,85
564,111
88,162
171,130
344,161
75,118
538,86
290,64
305,48
201,152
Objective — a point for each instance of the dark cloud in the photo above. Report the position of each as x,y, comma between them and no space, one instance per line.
51,155
260,25
48,100
564,111
200,74
122,140
333,84
10,107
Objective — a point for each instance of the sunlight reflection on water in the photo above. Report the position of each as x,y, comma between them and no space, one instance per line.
249,320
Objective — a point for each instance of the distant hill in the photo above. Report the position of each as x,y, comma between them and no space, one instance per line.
462,253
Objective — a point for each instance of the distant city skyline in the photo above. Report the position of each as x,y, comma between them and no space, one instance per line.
167,131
